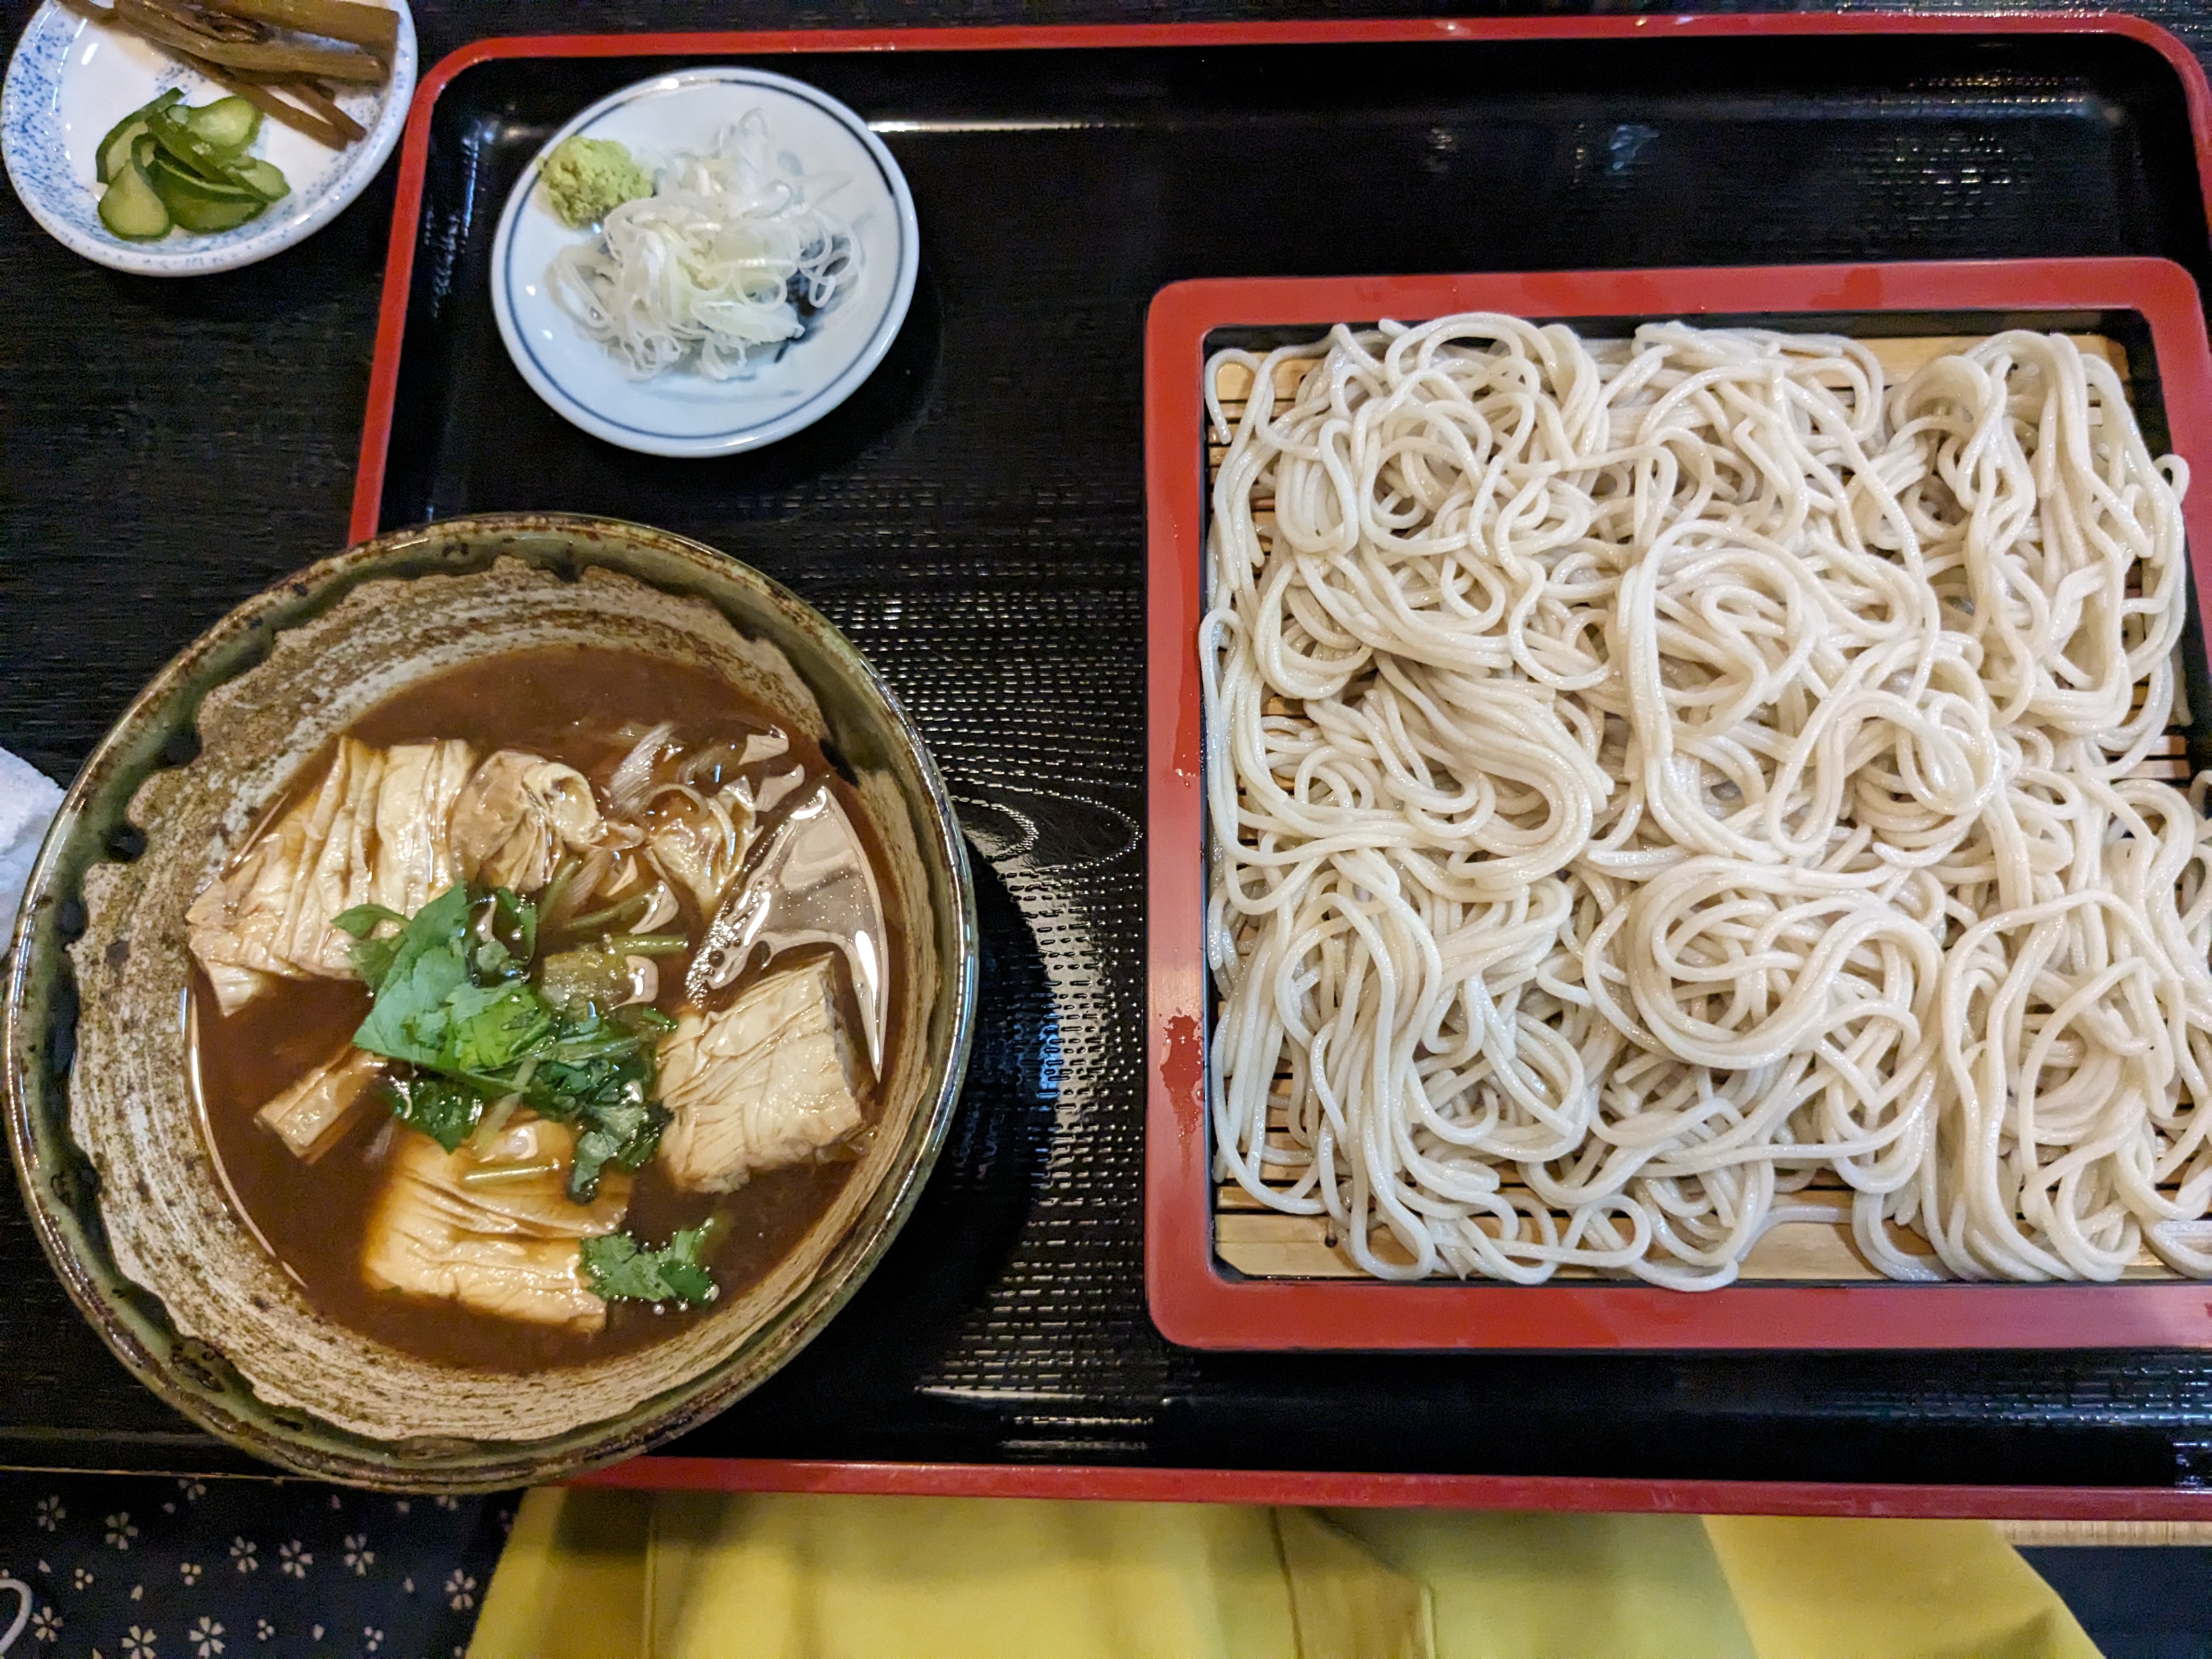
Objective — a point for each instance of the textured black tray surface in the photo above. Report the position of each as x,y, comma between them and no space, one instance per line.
974,519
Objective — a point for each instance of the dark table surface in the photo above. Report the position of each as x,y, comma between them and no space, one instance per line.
155,468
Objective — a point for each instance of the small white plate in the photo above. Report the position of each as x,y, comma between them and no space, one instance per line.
71,80
680,412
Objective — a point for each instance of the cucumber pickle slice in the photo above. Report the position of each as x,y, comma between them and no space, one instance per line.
131,206
167,164
229,123
262,178
115,149
199,205
173,130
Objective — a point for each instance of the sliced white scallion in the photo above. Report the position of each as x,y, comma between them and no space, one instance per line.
708,271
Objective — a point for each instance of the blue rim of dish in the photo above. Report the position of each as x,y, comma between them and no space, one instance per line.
36,160
733,440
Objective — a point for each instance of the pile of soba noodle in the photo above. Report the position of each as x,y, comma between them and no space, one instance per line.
1650,777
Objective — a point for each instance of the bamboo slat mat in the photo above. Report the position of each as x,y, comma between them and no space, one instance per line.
1265,1243
2105,1535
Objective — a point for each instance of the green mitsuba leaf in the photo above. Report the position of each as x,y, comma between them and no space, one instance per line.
408,1020
372,957
453,1001
620,1269
492,1029
446,1112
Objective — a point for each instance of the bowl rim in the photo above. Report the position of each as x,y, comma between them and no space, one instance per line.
112,775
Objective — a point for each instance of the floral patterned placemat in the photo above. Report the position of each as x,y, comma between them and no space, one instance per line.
144,1567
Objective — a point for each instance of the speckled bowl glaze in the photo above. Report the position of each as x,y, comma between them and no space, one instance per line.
113,1162
71,79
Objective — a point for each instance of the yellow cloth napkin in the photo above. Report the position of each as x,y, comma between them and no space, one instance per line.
609,1575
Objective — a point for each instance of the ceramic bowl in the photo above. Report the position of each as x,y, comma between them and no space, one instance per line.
116,1170
72,79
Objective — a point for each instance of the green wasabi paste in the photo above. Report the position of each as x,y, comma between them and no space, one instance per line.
587,179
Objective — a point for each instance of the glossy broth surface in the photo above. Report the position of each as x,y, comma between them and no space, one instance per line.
570,704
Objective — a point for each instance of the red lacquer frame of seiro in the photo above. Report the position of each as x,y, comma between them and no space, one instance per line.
1197,1301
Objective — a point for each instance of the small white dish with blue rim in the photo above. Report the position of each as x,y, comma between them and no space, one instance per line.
681,411
71,80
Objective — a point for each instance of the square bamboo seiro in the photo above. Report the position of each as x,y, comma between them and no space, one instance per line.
1227,1269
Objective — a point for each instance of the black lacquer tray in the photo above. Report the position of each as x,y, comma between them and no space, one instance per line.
974,519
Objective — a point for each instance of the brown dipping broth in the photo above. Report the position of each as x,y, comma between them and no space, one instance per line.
567,703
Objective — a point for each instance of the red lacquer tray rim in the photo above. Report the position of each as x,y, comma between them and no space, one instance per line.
415,147
1263,1485
1352,1489
1198,1304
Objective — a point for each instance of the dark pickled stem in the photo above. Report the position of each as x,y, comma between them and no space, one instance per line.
190,20
261,94
316,95
174,27
214,25
199,39
376,28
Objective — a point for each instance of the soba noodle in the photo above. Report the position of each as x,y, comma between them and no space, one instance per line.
1648,776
